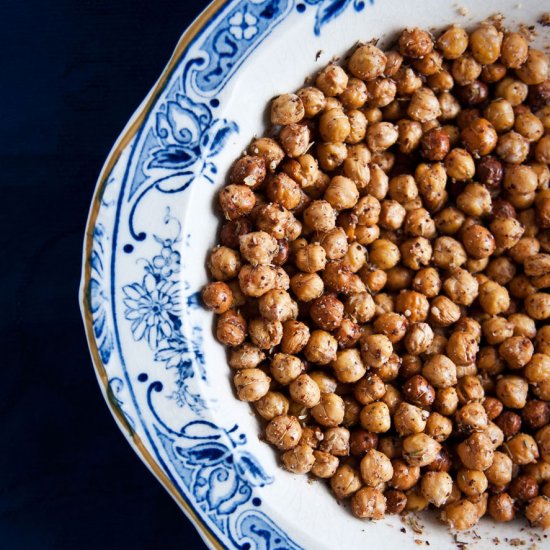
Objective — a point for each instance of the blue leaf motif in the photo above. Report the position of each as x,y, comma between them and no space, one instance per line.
327,11
175,182
174,157
250,470
204,454
201,429
239,497
215,137
223,485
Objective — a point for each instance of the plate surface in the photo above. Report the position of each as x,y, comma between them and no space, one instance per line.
151,222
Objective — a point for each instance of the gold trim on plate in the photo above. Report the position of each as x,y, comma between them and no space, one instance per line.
126,137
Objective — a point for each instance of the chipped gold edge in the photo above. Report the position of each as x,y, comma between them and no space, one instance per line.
124,139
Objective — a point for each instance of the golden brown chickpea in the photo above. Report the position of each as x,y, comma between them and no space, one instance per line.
512,391
461,287
424,105
334,125
327,312
246,356
420,449
514,91
485,44
286,109
329,411
440,371
231,328
355,95
405,475
501,270
368,503
332,80
381,92
465,70
358,126
298,460
258,248
217,297
381,136
335,243
269,150
294,139
507,232
500,471
429,65
367,62
409,135
514,50
512,148
307,286
384,254
331,155
538,306
283,190
462,348
416,253
369,389
376,468
251,384
284,432
392,214
438,427
516,351
313,100
419,338
522,449
419,223
360,307
272,404
415,43
348,366
396,501
471,418
478,241
461,515
310,258
427,282
529,126
336,442
320,216
459,165
321,347
542,154
325,465
453,42
535,68
476,452
305,391
524,248
413,305
479,137
392,397
444,312
493,298
538,512
436,487
409,419
500,114
345,481
375,417
224,263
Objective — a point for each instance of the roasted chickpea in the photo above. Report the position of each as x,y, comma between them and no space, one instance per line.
298,460
327,312
512,148
420,449
376,468
320,216
453,42
538,512
284,432
313,100
522,449
325,464
367,62
375,417
345,481
538,306
424,105
329,411
286,109
368,503
436,487
427,282
405,476
272,404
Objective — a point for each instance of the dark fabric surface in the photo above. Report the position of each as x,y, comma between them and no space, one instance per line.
72,73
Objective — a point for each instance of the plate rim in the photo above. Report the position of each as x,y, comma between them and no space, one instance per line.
115,153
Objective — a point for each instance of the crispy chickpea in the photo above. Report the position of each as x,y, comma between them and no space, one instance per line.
409,419
444,312
294,139
507,232
501,507
375,417
405,476
325,465
392,214
332,80
460,515
217,297
368,389
321,347
453,42
516,351
345,481
392,325
471,418
286,109
485,44
320,216
420,449
305,391
424,105
523,488
326,383
476,452
436,487
272,404
512,148
376,468
493,298
514,91
284,432
231,328
285,368
313,100
395,501
355,95
500,471
298,460
336,441
529,126
522,449
329,411
524,248
418,391
542,155
348,366
493,407
311,258
384,254
258,247
500,114
440,371
334,125
368,503
327,312
381,136
538,512
478,241
419,338
427,282
251,384
462,348
479,137
538,306
246,356
224,263
438,427
347,334
362,441
415,43
535,68
461,287
269,150
514,50
381,92
367,62
283,190
409,135
376,350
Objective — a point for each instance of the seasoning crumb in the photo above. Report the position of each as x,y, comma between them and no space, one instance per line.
462,11
528,32
318,55
418,541
403,530
544,19
517,542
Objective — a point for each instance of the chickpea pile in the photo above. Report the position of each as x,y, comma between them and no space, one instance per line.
382,278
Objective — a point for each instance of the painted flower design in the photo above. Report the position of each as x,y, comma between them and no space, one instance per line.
243,25
167,262
189,138
152,307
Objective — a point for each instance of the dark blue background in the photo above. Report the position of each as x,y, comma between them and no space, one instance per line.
72,73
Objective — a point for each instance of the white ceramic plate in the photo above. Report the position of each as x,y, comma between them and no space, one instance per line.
151,223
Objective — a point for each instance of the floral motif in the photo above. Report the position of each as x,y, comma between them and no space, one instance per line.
189,138
153,306
243,25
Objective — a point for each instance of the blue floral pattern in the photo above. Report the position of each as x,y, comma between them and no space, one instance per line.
211,466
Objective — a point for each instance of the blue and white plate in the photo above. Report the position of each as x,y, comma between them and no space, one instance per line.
151,223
